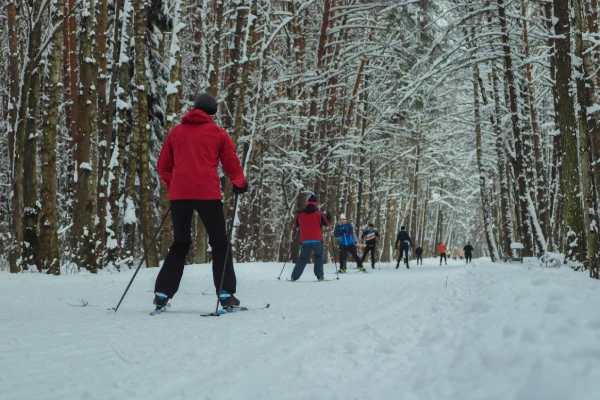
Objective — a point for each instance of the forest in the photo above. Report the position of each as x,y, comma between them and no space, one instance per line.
464,120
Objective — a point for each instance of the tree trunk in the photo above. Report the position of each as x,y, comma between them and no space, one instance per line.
123,105
166,236
573,218
49,254
15,149
519,163
485,206
538,173
86,123
103,127
589,132
31,213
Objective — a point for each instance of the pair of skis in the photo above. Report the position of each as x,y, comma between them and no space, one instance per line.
228,310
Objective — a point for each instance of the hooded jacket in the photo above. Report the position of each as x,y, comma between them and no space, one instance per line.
441,248
345,234
190,157
310,221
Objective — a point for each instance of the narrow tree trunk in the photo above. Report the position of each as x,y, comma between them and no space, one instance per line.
173,87
123,105
140,124
103,126
30,182
15,148
538,173
555,200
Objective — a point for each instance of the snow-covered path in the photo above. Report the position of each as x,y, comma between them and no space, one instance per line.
492,331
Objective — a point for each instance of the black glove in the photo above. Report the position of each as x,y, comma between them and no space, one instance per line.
241,190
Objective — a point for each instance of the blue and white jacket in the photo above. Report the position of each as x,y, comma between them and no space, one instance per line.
345,234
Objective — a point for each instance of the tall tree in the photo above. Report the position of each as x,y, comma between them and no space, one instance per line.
84,226
573,216
49,254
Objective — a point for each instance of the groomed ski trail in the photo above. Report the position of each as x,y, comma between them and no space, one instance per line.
484,330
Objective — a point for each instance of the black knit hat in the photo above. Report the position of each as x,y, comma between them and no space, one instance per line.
207,103
312,200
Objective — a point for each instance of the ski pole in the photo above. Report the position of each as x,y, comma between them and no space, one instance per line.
216,313
289,258
334,259
143,258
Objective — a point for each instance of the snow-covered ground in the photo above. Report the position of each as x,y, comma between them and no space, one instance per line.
486,331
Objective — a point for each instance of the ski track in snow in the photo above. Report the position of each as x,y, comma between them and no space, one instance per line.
496,331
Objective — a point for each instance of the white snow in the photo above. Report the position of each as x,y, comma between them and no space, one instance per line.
485,331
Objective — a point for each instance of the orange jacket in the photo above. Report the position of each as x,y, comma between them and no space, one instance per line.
441,248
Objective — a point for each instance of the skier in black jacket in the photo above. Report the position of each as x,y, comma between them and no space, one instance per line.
370,235
419,254
405,243
468,252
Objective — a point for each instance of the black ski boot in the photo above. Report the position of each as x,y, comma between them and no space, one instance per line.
160,301
228,300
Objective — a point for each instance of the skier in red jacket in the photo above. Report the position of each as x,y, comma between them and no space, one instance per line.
187,166
310,220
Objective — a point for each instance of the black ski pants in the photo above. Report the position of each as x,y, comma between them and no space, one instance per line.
468,256
420,257
213,219
344,250
370,248
443,255
404,247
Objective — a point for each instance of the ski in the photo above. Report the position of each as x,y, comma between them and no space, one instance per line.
231,310
324,280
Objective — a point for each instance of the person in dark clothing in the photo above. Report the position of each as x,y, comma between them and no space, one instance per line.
468,249
370,236
403,239
347,242
187,166
310,220
419,254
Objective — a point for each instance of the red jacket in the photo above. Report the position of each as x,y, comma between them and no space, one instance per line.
310,220
190,157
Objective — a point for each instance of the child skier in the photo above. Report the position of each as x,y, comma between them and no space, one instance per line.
405,243
441,250
468,249
370,236
419,254
310,220
347,242
187,166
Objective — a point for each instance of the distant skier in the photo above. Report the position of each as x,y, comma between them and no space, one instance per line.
403,239
187,166
468,252
347,242
310,220
419,254
441,250
370,235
